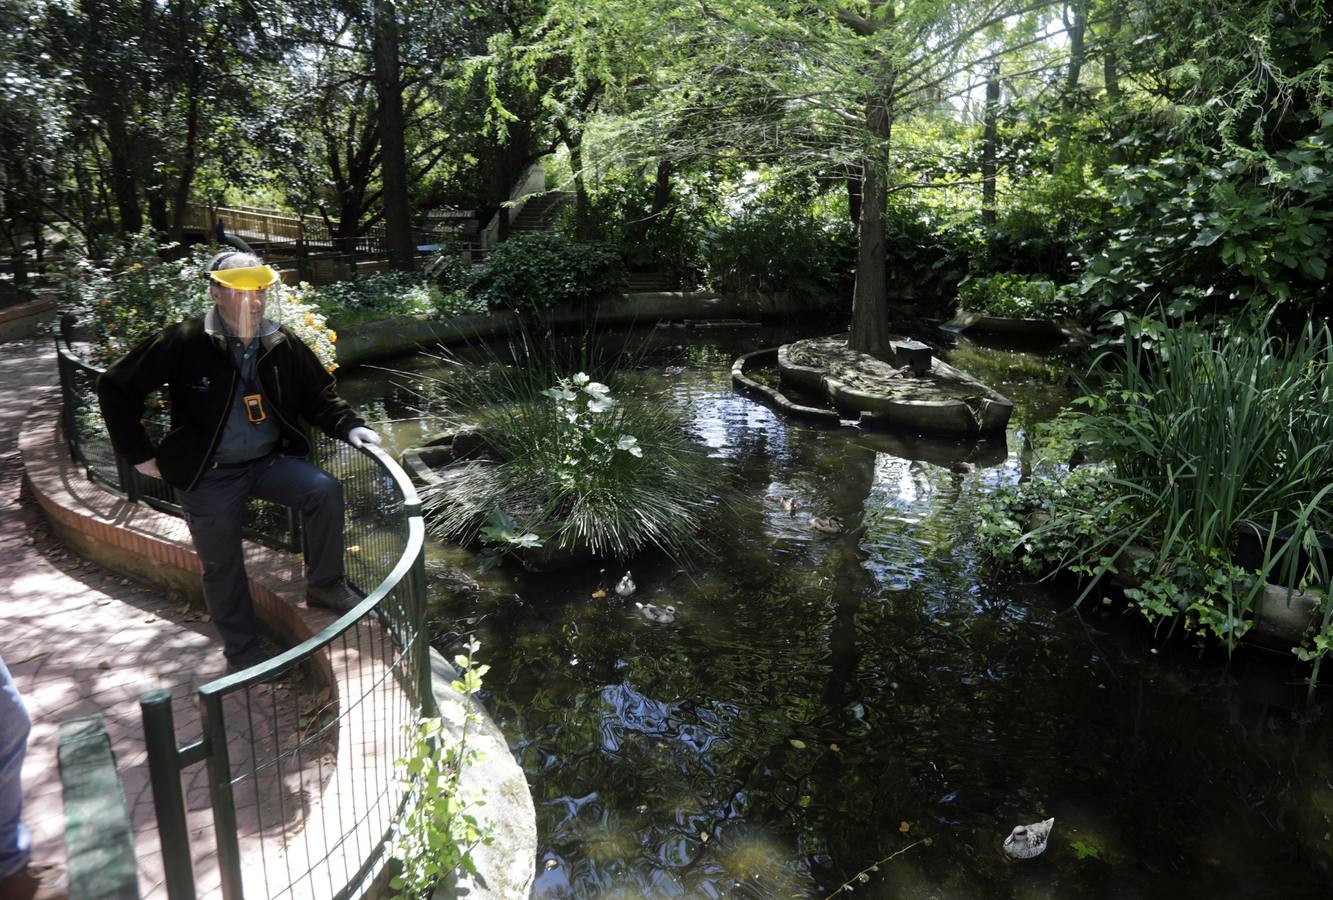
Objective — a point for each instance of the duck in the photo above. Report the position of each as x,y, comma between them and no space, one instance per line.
663,615
829,525
625,586
1027,841
788,504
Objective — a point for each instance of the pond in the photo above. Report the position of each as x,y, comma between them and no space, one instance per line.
824,702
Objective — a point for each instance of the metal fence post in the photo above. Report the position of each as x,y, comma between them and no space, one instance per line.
220,796
416,581
164,773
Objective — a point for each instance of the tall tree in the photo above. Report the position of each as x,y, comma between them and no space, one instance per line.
816,84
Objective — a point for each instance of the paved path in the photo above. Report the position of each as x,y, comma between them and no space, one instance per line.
80,640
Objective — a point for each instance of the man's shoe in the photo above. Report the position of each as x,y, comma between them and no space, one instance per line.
242,661
36,882
335,595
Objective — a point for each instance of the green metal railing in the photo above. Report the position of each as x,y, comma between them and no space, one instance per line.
300,751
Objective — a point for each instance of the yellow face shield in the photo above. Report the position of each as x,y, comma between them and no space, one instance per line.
251,278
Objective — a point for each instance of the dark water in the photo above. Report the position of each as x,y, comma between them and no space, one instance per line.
822,703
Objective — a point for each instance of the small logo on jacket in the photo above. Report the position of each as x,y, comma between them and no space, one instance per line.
201,386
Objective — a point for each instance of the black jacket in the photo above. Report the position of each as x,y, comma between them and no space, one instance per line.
201,377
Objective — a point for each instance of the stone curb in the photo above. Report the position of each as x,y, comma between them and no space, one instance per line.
1070,332
153,546
26,319
748,385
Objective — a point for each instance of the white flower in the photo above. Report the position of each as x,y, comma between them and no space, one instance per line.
581,379
596,389
600,404
630,443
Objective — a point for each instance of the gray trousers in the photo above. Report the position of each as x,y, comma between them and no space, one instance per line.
214,511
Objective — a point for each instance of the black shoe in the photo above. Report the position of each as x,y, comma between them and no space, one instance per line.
335,595
241,661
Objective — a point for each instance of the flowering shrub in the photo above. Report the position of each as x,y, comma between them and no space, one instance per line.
134,295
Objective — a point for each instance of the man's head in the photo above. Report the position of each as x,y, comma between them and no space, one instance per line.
239,284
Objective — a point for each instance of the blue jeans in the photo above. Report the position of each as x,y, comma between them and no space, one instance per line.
214,511
15,843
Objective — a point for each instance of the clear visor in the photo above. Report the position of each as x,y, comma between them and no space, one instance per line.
245,314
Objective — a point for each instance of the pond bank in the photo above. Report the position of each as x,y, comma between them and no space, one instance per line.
387,337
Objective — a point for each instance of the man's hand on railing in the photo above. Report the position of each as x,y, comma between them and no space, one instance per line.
148,467
359,437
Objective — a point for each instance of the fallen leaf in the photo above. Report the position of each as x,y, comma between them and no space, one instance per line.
703,836
641,808
104,665
904,827
551,864
798,744
598,595
355,548
205,618
835,748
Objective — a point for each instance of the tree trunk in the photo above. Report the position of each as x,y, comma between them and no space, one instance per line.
393,144
870,300
854,188
573,140
1110,59
123,183
989,141
188,160
1077,30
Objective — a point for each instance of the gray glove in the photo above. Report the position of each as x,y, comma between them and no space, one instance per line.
360,436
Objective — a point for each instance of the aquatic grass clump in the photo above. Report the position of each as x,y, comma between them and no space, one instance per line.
1198,433
569,463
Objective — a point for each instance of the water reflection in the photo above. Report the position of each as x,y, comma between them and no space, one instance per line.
821,701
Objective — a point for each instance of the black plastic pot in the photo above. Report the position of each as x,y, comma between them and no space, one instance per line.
1252,538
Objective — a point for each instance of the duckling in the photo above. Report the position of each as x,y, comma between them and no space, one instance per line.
830,525
662,615
1027,841
625,586
788,504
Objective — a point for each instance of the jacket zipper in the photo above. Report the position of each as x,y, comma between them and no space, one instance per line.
217,432
277,386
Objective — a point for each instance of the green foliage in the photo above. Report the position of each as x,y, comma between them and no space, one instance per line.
533,272
1016,297
781,242
381,295
1086,851
132,295
1199,432
434,839
575,468
1208,231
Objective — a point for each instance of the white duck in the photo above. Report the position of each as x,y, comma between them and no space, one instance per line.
663,615
625,586
1027,841
788,505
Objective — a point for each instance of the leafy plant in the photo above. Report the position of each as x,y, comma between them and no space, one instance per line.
434,839
531,273
382,295
1086,851
1199,433
1017,297
573,466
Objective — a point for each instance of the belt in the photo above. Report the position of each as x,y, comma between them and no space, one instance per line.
236,465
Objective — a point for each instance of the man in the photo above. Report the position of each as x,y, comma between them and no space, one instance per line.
238,384
20,879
